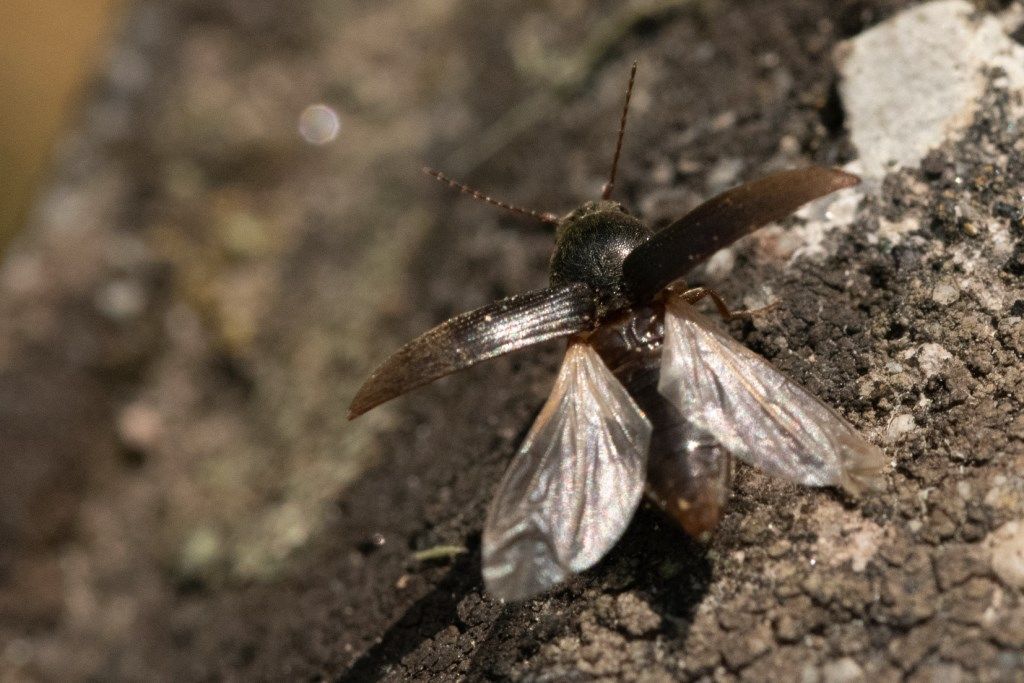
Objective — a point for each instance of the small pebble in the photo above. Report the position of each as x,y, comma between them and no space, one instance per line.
724,174
945,293
121,300
932,358
663,173
635,616
140,426
688,166
843,670
1007,545
723,121
899,425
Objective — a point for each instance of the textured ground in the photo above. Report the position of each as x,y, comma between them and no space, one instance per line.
200,292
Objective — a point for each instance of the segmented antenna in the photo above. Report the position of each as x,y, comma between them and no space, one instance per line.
606,191
542,216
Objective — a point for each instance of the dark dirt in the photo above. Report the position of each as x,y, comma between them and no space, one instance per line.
183,498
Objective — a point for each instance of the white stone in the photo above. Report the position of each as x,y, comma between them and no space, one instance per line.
895,232
723,174
844,670
822,217
932,358
121,300
1007,546
845,536
899,425
720,265
810,674
140,426
945,293
911,82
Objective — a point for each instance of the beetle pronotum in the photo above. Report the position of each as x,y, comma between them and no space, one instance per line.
651,394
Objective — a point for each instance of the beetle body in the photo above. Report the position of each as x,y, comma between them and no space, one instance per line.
651,396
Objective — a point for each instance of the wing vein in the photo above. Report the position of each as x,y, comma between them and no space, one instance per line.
572,487
755,411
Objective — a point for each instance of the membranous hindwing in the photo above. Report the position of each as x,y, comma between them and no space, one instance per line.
574,484
756,412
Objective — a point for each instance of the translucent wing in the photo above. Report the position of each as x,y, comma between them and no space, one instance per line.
573,486
507,325
755,411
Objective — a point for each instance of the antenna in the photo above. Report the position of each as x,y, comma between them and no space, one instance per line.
606,191
542,216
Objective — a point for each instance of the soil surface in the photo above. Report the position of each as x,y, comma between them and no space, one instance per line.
200,291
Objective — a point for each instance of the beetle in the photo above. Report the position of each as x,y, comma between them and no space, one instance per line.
651,395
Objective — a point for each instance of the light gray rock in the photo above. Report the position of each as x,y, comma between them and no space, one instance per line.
1007,545
911,82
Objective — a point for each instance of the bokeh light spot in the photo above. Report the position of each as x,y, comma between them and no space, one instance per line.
319,124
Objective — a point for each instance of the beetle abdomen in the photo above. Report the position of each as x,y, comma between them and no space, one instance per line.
688,472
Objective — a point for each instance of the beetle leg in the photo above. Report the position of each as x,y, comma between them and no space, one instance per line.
695,294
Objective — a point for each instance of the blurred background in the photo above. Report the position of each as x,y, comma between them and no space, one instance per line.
48,50
210,213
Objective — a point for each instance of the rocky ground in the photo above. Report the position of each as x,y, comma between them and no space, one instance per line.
200,291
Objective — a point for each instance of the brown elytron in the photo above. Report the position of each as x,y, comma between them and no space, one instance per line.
651,397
